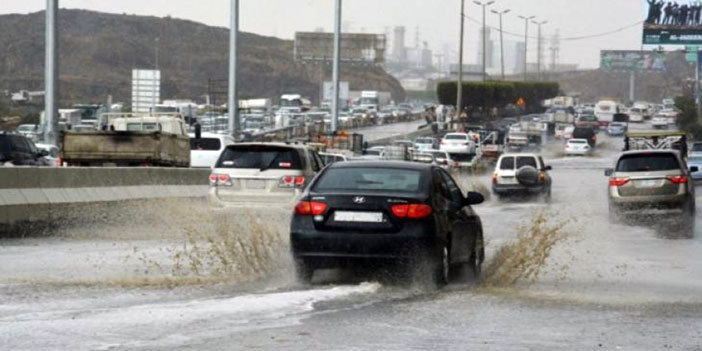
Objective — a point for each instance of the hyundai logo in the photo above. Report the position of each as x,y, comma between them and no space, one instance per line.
359,200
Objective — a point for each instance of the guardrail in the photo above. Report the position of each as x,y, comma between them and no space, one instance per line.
34,199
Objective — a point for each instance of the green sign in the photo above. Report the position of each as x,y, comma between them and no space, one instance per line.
672,36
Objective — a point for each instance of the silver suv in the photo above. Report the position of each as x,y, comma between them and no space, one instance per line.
651,182
262,174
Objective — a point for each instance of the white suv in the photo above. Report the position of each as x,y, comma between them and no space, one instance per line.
205,151
505,182
262,174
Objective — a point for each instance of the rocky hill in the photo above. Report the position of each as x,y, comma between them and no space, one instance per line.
98,52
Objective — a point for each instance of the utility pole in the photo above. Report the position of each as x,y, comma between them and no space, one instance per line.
538,50
233,102
526,38
502,43
484,5
335,67
459,90
51,74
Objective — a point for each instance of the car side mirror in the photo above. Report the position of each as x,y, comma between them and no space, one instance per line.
474,198
694,169
43,153
608,172
548,168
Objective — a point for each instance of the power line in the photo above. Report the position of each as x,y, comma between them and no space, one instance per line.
564,39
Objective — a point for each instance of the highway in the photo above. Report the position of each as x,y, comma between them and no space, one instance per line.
144,284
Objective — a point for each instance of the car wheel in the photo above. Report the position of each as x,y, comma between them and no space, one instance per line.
442,268
303,271
476,260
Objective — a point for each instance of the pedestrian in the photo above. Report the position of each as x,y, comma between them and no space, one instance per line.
651,11
668,13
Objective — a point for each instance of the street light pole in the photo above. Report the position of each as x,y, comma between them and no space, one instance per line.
484,5
51,74
459,90
233,101
335,67
502,43
538,50
526,39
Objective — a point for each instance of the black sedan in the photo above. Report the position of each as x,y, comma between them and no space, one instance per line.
354,213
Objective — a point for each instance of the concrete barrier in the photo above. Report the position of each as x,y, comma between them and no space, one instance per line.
33,199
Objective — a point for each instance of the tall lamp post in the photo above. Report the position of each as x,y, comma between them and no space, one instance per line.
538,50
233,100
484,5
459,88
502,43
526,38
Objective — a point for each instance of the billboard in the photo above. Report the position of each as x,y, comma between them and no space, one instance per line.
146,89
672,23
359,48
622,60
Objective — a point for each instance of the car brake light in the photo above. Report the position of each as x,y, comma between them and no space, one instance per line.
292,182
213,179
494,178
412,211
678,179
616,181
310,208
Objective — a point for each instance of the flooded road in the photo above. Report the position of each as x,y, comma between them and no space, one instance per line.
603,286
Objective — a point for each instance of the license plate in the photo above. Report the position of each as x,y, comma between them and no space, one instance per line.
647,183
255,184
509,180
353,216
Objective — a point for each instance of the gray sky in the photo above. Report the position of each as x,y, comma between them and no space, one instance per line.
437,20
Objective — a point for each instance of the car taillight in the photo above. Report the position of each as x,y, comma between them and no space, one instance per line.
292,182
310,208
494,178
220,179
678,179
213,179
412,211
617,181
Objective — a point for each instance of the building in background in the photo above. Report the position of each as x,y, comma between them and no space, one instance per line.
489,48
146,89
399,54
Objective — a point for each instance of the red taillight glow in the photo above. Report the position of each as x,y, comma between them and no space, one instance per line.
494,178
292,181
223,178
678,179
413,211
310,208
615,181
213,178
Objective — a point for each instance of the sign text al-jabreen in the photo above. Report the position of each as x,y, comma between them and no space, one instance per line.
673,23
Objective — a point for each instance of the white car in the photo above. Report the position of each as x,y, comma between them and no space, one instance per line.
577,147
205,151
660,121
636,115
457,143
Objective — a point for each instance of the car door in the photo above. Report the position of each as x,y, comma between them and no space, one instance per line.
462,221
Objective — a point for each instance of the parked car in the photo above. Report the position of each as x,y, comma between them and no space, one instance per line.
506,178
405,213
651,182
577,147
18,150
205,151
262,174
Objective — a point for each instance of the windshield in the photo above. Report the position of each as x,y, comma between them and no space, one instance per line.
205,144
648,163
261,157
456,137
369,179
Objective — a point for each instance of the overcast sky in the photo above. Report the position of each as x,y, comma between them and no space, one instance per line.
437,20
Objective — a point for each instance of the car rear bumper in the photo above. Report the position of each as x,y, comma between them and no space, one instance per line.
253,200
335,249
644,204
513,189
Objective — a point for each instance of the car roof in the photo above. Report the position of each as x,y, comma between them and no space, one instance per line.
519,154
293,146
384,164
636,152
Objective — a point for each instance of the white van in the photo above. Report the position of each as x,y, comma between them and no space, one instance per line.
605,110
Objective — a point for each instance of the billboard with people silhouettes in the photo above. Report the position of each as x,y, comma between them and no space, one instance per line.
673,22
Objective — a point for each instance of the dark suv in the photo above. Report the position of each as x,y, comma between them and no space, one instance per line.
17,150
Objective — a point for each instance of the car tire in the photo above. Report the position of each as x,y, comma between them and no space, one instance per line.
441,266
303,271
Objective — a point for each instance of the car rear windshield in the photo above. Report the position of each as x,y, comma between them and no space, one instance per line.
260,157
648,163
208,144
456,137
507,163
369,179
462,157
577,141
526,161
